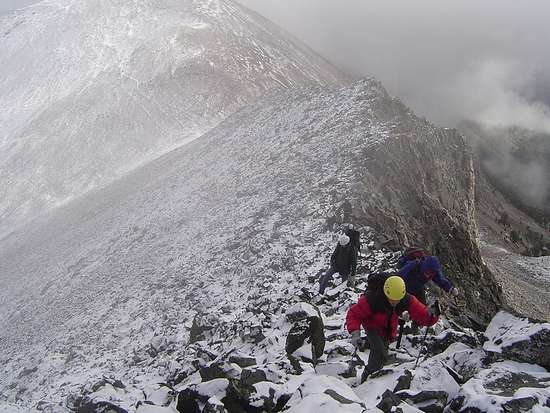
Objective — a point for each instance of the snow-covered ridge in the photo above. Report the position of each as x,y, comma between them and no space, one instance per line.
89,89
191,231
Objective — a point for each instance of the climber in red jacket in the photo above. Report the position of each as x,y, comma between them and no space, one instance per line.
378,311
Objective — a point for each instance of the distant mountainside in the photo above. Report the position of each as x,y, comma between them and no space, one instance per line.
90,89
248,204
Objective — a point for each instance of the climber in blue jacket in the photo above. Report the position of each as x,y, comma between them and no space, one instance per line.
416,272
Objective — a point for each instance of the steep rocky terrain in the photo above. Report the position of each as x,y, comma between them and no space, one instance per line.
91,89
507,227
97,287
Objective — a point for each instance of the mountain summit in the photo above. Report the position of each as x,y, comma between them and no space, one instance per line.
91,89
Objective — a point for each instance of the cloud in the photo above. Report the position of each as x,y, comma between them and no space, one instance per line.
449,60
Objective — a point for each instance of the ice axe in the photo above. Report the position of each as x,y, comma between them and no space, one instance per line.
435,310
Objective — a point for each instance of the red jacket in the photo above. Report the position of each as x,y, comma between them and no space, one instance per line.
372,312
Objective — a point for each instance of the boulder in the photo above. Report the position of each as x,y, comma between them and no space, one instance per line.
428,401
301,311
520,339
202,324
188,401
158,395
307,329
506,386
218,370
324,393
242,361
463,360
214,405
389,402
91,406
250,377
151,408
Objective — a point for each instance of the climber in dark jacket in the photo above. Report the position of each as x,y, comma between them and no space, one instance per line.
354,236
418,271
378,312
343,261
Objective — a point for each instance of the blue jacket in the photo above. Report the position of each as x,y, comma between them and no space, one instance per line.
417,273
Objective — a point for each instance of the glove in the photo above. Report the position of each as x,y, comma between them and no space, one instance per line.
405,316
435,309
454,291
356,338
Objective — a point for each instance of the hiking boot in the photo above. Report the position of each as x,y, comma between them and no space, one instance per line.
364,376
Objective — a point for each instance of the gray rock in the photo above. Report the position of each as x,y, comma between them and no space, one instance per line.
213,371
188,402
252,376
428,401
310,330
201,325
389,401
243,361
404,381
521,405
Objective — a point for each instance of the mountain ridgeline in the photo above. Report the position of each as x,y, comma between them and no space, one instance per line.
276,140
92,89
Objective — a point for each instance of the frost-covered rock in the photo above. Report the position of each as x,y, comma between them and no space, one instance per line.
506,387
466,361
159,395
324,394
242,361
202,325
150,408
519,339
301,311
428,401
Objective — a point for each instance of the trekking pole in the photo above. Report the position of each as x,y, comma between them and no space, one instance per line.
436,312
421,345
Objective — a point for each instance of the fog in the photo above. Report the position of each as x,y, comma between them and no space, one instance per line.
449,60
9,5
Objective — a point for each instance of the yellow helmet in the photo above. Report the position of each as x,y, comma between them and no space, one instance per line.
394,288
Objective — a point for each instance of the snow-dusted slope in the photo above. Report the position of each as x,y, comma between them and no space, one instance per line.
193,230
91,88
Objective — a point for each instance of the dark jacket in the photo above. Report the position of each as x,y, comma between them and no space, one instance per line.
418,272
355,238
343,259
374,312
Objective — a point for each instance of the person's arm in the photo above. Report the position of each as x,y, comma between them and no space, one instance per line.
420,313
439,278
357,313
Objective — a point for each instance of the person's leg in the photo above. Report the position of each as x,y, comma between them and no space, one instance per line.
420,295
324,280
378,353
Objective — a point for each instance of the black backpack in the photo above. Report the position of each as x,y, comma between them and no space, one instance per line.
376,280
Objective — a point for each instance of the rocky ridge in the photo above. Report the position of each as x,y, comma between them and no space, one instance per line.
124,270
92,89
244,364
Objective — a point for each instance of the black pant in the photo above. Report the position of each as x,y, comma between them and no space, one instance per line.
420,295
378,353
324,280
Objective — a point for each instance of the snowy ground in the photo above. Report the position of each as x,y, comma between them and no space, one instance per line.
92,89
525,280
89,289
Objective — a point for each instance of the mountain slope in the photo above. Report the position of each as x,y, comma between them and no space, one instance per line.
91,89
248,204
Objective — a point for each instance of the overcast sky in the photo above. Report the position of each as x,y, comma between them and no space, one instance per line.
485,60
449,60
